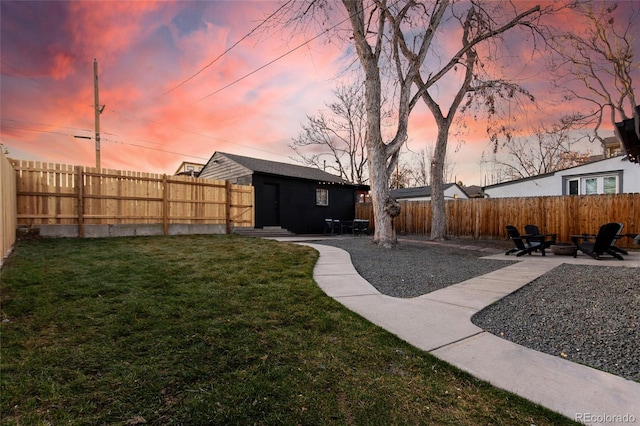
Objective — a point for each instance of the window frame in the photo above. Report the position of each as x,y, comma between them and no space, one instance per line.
597,178
322,197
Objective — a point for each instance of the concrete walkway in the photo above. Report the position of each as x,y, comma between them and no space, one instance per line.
440,323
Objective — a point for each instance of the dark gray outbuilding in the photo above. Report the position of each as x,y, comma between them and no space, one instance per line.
293,197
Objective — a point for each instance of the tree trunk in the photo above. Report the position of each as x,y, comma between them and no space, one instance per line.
438,208
384,233
377,152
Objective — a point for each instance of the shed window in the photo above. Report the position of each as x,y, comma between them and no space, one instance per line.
322,197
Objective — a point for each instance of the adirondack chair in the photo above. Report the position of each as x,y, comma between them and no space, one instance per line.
603,242
524,245
619,235
534,235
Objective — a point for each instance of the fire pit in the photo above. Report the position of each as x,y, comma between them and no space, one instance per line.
564,249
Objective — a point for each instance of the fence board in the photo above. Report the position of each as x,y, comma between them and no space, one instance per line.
8,206
61,194
488,218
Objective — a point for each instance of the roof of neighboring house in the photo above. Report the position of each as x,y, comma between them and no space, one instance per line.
182,170
283,169
473,191
420,191
510,182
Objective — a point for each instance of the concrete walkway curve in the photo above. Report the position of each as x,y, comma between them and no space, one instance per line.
440,323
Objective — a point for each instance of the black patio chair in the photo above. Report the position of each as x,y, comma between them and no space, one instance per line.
524,245
534,235
619,235
603,242
332,226
360,226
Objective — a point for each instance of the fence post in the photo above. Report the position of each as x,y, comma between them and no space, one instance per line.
227,213
80,184
165,205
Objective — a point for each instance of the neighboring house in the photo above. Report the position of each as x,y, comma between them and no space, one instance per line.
189,169
294,197
423,193
611,147
615,175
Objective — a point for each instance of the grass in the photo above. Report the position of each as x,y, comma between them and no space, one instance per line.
212,330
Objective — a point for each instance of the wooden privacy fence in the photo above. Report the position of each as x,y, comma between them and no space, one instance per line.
487,218
74,195
8,213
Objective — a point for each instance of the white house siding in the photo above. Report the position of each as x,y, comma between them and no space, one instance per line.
555,183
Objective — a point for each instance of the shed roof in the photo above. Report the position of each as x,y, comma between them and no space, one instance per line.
283,169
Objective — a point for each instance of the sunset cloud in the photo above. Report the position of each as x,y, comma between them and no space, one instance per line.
168,99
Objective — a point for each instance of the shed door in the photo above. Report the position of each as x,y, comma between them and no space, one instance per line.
271,204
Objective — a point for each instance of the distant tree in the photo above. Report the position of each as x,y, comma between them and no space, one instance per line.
335,141
595,62
546,150
420,172
419,165
403,175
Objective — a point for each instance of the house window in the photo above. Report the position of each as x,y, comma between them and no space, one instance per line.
594,184
591,186
574,187
610,185
322,197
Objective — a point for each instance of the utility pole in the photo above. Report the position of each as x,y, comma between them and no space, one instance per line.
98,111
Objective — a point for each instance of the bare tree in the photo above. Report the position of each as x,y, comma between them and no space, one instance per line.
405,40
547,150
336,142
421,165
595,63
402,177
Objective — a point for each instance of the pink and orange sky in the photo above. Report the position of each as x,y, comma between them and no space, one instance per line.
151,122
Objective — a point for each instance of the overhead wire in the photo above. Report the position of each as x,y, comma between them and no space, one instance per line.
227,50
205,97
276,59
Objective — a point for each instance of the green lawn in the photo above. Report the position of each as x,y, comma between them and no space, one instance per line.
212,330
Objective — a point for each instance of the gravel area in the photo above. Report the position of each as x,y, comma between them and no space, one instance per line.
586,314
418,267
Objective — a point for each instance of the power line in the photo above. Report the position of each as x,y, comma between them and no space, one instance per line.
106,140
281,56
134,144
273,61
226,51
37,131
198,133
44,124
156,149
258,69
